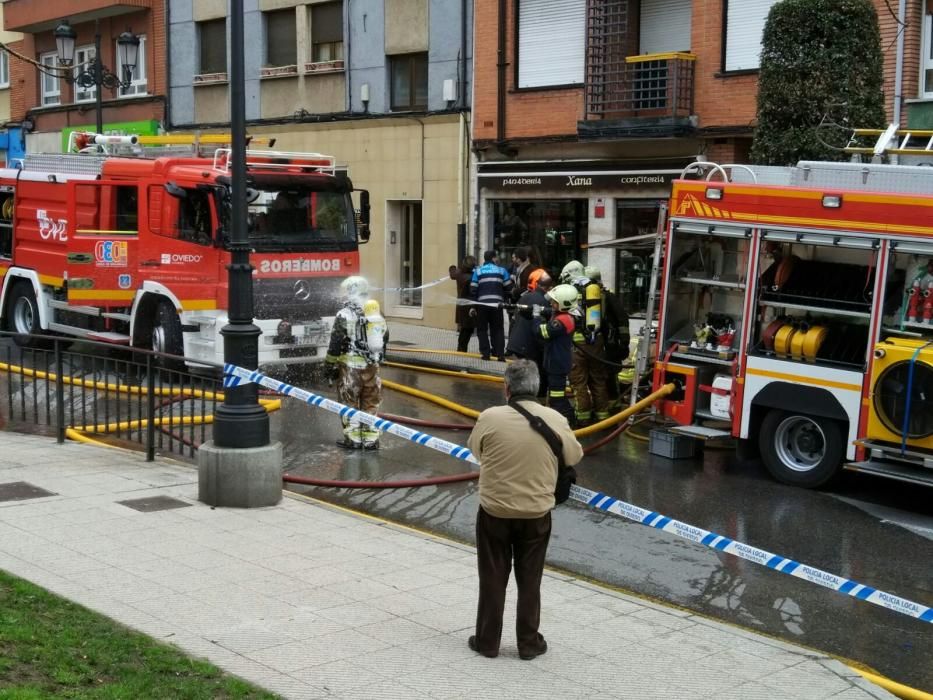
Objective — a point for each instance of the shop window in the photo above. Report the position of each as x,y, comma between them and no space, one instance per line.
635,217
51,87
551,42
281,38
138,75
409,82
84,63
212,36
552,230
327,32
745,23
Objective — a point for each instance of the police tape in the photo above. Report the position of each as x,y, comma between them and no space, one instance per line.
236,376
720,543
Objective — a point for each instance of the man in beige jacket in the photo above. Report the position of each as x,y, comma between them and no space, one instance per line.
518,474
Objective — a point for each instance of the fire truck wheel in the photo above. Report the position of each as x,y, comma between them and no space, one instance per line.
23,316
801,450
166,334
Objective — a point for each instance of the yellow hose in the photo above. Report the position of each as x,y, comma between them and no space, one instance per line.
436,352
457,408
446,372
893,687
631,410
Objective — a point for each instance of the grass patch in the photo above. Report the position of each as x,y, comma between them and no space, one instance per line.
53,648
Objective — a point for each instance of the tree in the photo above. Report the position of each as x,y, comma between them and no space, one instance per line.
818,57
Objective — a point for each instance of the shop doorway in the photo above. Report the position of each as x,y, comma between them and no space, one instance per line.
553,229
404,255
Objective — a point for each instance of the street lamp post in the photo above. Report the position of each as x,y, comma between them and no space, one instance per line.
96,75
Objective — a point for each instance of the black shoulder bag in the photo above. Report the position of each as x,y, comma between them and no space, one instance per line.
566,476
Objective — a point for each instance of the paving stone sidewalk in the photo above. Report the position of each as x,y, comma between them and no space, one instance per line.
311,601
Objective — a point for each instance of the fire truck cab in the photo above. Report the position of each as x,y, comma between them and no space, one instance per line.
133,249
797,316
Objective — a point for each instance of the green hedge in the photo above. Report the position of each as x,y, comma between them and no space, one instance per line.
817,57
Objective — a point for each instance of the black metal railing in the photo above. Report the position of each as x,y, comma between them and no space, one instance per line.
651,87
118,395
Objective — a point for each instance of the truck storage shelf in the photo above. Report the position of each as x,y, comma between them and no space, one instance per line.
703,281
816,309
912,324
702,358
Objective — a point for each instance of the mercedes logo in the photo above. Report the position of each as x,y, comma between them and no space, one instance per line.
302,290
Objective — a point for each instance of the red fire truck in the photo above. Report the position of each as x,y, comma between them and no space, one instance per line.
797,316
132,247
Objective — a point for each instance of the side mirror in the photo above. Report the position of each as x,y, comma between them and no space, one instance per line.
175,190
364,217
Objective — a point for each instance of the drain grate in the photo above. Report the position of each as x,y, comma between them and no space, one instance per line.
154,504
22,491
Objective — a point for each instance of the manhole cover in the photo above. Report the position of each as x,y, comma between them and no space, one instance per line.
21,491
154,503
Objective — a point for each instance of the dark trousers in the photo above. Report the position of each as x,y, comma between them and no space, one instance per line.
463,338
490,329
557,396
499,541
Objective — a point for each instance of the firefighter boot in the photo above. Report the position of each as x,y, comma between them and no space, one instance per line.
352,438
370,439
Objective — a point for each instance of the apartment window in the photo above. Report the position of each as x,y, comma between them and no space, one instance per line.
84,63
327,32
4,69
551,42
409,81
745,22
213,38
926,65
281,38
138,76
51,87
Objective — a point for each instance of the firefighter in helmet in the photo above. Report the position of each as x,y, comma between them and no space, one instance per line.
357,346
589,375
556,327
571,271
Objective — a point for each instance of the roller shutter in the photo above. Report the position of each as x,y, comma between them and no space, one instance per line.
745,22
665,26
551,42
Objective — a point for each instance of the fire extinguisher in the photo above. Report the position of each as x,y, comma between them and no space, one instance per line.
915,298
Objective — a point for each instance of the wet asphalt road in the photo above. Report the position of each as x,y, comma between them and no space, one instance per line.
874,531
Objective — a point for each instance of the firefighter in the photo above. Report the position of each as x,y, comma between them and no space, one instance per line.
556,327
357,346
590,375
571,271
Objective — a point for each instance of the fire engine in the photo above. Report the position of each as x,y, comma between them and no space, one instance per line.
130,246
796,314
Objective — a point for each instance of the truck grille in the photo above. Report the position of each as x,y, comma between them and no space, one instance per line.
276,298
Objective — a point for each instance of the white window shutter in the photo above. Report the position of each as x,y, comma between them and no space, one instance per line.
745,23
665,26
551,42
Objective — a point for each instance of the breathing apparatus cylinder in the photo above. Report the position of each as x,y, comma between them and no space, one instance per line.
592,305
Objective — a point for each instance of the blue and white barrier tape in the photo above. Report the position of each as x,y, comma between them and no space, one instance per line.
605,503
234,376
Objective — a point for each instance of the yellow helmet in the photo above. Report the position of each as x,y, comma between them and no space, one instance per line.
565,295
371,308
593,273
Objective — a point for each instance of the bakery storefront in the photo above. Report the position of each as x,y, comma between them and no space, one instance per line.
558,212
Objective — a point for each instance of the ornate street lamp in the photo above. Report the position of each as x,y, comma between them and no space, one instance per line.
95,74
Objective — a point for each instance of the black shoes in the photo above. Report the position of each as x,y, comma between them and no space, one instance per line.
528,654
485,357
471,642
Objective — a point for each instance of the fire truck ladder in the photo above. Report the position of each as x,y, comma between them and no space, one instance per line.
892,141
644,343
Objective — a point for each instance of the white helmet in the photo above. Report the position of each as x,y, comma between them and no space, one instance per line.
571,271
593,273
354,287
565,295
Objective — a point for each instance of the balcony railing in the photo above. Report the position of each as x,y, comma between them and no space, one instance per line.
642,94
